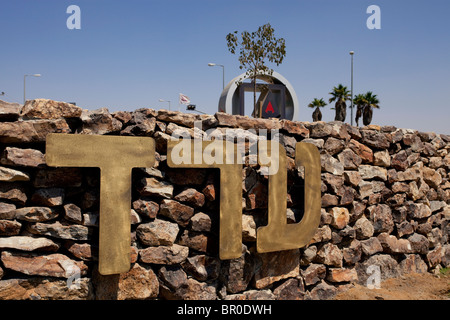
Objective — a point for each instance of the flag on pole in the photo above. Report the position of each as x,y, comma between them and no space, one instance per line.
184,99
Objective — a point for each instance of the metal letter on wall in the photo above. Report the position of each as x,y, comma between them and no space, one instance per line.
230,187
278,235
115,156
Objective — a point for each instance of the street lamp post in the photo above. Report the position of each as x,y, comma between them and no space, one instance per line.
161,100
223,72
24,84
351,108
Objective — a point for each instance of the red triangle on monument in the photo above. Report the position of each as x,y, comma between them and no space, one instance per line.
269,108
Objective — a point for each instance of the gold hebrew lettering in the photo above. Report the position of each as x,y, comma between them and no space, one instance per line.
115,156
230,237
278,235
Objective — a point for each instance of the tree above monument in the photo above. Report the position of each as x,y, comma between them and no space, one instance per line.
255,50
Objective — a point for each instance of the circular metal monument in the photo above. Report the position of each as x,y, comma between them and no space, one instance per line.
279,101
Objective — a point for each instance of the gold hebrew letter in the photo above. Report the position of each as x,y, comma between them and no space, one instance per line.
115,156
230,186
278,235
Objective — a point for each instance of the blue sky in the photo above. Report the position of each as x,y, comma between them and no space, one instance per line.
130,54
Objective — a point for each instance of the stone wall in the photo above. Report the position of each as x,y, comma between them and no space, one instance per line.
385,204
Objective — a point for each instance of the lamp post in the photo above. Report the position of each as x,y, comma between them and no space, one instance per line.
161,100
24,84
351,108
223,72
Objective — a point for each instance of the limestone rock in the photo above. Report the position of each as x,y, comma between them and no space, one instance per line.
432,177
11,175
9,111
419,243
173,278
291,289
404,228
53,265
371,172
366,188
317,142
99,122
333,145
28,244
164,254
31,214
322,234
201,222
183,119
237,273
361,150
58,230
375,139
83,251
323,291
371,246
9,228
434,257
331,165
294,127
196,240
195,290
363,228
335,129
252,295
137,284
22,157
40,288
275,266
176,211
153,187
400,161
191,197
330,255
49,109
382,158
73,213
14,192
6,207
31,131
352,177
341,217
314,273
329,200
146,208
49,197
349,159
141,127
157,233
202,267
257,196
342,275
418,210
352,253
381,217
413,263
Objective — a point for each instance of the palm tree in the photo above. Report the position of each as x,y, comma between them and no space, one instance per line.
340,94
360,102
371,102
317,103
